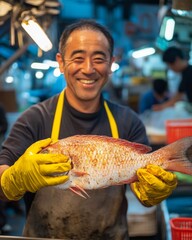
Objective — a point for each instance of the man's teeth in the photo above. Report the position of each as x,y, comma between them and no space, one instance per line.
87,81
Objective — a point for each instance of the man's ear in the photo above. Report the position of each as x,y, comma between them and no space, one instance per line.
60,62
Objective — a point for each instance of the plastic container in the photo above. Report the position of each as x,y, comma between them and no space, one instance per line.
181,228
176,129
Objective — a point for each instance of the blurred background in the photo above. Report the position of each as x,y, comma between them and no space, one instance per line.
29,74
142,30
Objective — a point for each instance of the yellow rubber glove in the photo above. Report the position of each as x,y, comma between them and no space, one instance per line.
154,185
33,171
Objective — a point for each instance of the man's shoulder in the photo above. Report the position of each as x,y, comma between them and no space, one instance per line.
39,110
48,103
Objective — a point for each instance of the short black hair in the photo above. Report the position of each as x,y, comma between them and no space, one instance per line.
160,85
85,24
171,53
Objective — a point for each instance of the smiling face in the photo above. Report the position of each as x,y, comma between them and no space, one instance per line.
86,66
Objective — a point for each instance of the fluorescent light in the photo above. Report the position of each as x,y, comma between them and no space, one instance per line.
37,33
143,52
169,29
41,66
51,63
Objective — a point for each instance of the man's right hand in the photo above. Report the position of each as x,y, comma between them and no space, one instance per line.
34,170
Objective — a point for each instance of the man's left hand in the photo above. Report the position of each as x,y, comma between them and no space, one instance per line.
154,185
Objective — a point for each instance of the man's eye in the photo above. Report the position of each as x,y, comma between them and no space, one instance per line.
99,60
78,60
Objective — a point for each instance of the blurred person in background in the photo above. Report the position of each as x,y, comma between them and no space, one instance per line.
174,58
157,95
85,57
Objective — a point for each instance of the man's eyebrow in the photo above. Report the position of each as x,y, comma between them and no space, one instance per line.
100,53
76,52
83,51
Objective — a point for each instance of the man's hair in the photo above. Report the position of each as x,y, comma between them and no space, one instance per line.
160,85
81,25
171,54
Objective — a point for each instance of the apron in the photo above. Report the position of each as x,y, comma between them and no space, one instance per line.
43,220
58,114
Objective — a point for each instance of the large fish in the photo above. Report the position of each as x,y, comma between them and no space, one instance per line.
101,161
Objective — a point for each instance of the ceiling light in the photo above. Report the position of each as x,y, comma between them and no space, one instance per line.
169,31
51,63
37,65
167,28
143,52
35,31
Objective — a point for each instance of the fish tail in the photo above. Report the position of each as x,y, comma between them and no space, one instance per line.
177,156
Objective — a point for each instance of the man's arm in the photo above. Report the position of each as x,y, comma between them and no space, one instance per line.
3,121
177,97
2,195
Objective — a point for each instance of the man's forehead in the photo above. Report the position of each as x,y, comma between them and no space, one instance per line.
84,34
87,40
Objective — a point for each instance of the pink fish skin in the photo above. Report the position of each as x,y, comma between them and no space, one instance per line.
101,161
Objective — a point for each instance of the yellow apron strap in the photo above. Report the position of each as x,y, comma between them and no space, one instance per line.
57,117
112,122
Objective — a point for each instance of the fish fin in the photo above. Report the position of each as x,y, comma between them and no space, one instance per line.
80,191
177,156
138,147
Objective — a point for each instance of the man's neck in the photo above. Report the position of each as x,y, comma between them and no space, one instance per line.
83,106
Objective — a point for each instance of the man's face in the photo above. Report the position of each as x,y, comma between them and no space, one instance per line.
175,66
86,65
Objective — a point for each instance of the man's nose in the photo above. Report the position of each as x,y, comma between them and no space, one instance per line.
88,66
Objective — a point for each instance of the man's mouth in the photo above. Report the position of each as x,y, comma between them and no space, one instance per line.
87,81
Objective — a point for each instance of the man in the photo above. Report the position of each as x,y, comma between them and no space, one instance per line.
175,60
85,57
157,95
